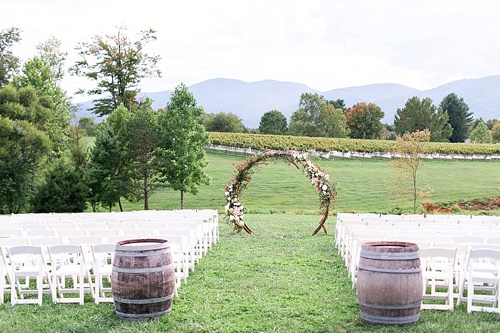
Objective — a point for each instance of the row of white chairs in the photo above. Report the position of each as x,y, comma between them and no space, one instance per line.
353,227
473,278
190,235
88,265
66,272
417,219
444,250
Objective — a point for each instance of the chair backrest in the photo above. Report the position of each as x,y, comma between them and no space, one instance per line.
103,248
470,239
434,259
493,240
14,241
24,249
122,225
104,232
41,233
483,254
438,252
25,255
65,248
11,232
102,253
46,241
85,240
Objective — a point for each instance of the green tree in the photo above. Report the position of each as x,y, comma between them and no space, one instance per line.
88,125
51,54
222,122
273,122
388,132
78,152
410,147
143,137
182,145
338,104
495,132
8,62
106,173
481,134
317,117
117,65
26,143
63,191
459,117
38,74
491,122
421,115
306,120
364,121
23,147
333,123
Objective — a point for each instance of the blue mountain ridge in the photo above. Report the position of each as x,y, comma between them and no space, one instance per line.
250,100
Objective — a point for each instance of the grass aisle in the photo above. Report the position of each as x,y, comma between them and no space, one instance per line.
279,279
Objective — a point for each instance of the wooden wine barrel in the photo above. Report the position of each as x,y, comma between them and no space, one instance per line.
142,279
389,283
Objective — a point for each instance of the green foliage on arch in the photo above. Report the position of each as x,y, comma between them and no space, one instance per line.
243,175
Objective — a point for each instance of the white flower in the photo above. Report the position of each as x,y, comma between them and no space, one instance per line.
324,187
227,193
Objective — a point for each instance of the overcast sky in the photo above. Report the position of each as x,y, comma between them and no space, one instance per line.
325,44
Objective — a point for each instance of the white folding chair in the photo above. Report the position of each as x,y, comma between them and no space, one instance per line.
69,274
127,225
23,264
470,239
14,241
4,278
102,265
460,258
11,233
189,243
180,247
33,233
438,267
46,241
85,240
355,251
495,240
481,275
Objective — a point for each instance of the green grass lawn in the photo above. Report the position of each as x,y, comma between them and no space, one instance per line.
280,188
280,279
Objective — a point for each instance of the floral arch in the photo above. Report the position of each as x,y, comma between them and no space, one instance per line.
243,175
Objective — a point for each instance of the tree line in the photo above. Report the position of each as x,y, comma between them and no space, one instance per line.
49,163
451,121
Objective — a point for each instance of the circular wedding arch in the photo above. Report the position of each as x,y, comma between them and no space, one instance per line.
243,175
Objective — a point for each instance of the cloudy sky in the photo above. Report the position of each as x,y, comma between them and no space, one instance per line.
325,44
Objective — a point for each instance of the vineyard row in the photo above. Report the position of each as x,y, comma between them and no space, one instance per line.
346,147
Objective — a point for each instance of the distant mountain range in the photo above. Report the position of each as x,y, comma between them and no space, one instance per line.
250,100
